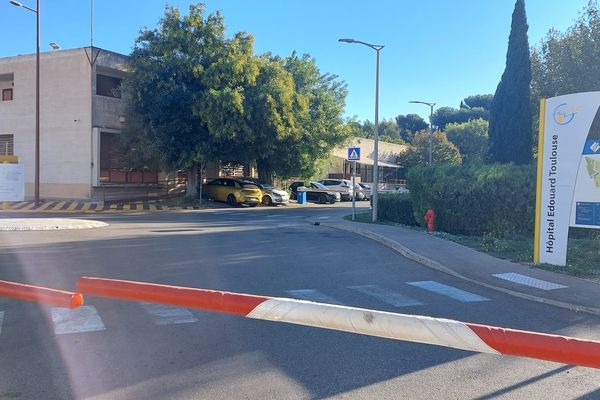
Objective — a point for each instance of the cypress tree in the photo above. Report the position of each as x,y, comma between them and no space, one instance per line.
510,134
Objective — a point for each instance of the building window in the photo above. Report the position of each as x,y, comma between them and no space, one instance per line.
6,145
7,94
108,86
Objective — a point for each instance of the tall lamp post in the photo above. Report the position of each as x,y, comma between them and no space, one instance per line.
431,105
37,98
377,48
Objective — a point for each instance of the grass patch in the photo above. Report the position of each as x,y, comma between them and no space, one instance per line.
583,254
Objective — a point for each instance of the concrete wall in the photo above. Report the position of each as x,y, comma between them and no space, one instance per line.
69,110
65,121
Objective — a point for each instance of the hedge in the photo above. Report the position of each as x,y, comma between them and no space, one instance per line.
396,207
476,199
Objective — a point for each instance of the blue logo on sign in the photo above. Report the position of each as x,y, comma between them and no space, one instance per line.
563,115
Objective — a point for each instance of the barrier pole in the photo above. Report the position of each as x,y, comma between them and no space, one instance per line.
413,328
40,294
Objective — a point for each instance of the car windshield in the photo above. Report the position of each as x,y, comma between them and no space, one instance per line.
319,185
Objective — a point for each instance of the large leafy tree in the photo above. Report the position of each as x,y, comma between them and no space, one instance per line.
410,124
185,76
449,115
510,116
471,138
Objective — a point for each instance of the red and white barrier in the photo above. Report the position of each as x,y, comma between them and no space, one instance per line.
40,294
414,328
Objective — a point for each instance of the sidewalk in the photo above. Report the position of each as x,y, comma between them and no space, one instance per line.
508,277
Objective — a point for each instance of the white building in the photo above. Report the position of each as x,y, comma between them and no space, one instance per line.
389,170
81,111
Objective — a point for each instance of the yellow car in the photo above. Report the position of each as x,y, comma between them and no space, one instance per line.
232,191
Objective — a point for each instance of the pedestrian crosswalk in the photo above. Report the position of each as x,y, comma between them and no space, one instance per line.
88,318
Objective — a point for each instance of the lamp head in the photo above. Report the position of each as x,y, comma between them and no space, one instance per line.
16,3
347,40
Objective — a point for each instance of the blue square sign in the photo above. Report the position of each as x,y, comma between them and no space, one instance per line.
353,153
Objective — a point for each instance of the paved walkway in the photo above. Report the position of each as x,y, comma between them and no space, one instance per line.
516,279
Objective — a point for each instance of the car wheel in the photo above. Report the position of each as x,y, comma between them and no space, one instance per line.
231,200
267,201
253,204
332,201
322,199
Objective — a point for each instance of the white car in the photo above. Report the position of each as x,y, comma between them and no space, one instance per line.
271,195
343,186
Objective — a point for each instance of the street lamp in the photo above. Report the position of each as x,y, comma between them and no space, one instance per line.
37,98
377,48
430,126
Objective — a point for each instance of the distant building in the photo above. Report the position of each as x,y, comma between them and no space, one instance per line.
389,170
81,114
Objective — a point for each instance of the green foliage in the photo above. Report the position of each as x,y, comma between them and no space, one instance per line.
396,207
448,115
410,124
478,101
471,199
564,63
471,138
443,151
510,116
196,96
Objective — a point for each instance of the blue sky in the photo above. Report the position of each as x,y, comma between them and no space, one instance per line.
435,50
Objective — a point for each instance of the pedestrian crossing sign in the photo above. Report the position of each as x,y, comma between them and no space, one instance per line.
353,153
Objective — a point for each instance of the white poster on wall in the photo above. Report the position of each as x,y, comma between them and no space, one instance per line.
12,182
568,189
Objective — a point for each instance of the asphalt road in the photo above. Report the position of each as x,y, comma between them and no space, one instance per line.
127,350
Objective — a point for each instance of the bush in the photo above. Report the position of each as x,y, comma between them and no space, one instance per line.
396,207
474,199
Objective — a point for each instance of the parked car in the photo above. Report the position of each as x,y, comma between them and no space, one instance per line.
232,191
359,194
344,186
270,194
366,190
316,194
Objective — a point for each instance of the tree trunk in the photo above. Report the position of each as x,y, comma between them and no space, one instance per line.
192,182
265,173
201,181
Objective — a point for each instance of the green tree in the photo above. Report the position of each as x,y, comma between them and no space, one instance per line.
443,151
185,75
471,138
295,112
510,116
449,115
389,128
409,124
478,101
564,63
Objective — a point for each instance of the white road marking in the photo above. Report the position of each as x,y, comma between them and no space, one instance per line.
386,296
1,320
529,281
165,315
445,290
313,295
79,320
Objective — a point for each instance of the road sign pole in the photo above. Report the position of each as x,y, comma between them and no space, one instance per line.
353,190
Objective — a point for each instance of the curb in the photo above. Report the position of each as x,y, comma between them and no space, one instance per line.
437,266
47,224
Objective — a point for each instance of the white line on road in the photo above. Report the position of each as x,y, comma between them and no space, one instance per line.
386,296
445,290
529,281
79,320
313,295
165,315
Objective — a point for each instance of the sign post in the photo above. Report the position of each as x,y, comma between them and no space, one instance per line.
354,156
568,180
12,180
